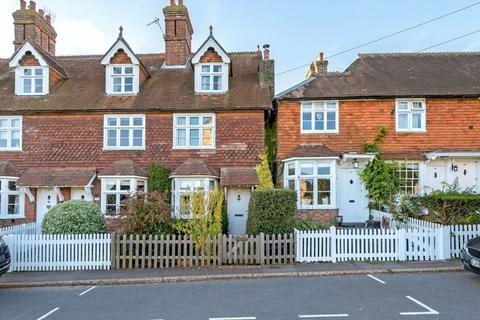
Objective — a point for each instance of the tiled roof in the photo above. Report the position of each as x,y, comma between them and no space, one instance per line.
397,75
238,176
194,167
311,150
165,90
124,168
7,169
56,177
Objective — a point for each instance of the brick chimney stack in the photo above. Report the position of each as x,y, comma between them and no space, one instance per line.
319,67
267,70
34,27
178,34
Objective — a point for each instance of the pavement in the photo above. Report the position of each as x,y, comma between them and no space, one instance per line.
146,276
416,296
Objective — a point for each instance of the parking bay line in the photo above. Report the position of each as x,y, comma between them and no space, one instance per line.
314,316
376,279
88,290
234,318
430,310
49,313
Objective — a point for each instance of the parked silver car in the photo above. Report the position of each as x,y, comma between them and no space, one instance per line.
4,257
470,255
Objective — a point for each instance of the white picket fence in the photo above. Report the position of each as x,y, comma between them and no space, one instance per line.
36,252
26,228
387,221
416,244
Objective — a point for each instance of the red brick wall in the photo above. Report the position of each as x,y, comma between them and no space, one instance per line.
29,60
452,124
77,140
55,78
120,58
326,217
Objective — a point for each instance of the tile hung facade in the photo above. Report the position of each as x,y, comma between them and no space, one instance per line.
103,119
429,103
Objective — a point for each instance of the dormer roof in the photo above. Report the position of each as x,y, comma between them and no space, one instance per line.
211,42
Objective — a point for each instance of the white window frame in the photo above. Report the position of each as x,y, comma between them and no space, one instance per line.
118,128
400,172
4,193
9,130
223,74
117,192
188,127
320,106
109,82
296,177
410,111
197,182
20,78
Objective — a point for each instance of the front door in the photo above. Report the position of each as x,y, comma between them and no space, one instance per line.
237,207
352,202
436,177
46,199
466,174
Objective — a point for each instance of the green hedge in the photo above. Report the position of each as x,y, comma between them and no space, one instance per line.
451,207
272,211
158,180
74,216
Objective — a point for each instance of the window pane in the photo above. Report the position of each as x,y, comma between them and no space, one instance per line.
306,191
194,137
291,184
111,185
207,120
207,137
15,123
181,121
417,120
128,84
13,204
307,121
323,170
306,169
403,121
291,169
217,83
323,191
15,141
27,72
117,70
319,120
417,105
217,68
137,138
206,68
125,185
138,121
402,106
27,85
12,186
129,70
125,122
205,82
331,121
3,139
140,185
181,137
38,85
124,137
331,105
194,121
39,72
3,123
111,138
111,121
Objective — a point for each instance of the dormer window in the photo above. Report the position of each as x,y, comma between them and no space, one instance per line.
211,77
32,80
122,79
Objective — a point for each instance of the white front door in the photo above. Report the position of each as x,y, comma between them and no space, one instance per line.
46,199
352,201
237,208
436,176
466,174
78,194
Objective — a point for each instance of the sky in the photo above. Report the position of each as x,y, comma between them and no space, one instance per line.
295,29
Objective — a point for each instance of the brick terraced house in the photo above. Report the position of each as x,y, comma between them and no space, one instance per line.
429,103
87,127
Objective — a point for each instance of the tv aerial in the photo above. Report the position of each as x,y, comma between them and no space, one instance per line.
50,13
157,22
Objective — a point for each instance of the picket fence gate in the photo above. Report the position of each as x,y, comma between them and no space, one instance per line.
36,252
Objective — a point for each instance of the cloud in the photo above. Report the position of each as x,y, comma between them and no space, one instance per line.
79,37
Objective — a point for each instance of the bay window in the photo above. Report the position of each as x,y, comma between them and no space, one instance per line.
182,191
410,115
115,190
319,117
314,181
194,131
11,199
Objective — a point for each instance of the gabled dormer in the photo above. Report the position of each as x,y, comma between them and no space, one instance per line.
123,70
212,67
36,72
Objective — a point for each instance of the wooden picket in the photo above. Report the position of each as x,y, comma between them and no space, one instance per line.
35,252
130,252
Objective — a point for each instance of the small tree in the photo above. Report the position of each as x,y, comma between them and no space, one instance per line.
206,218
265,181
146,213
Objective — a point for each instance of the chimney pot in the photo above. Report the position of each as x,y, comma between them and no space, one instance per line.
41,12
23,5
180,2
320,57
266,52
172,2
32,6
48,19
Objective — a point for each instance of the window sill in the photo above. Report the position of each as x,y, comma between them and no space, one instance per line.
411,131
120,94
211,92
319,132
15,217
10,150
124,149
329,207
194,148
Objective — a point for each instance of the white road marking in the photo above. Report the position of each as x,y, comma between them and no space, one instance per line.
430,310
47,314
376,279
88,290
313,316
234,318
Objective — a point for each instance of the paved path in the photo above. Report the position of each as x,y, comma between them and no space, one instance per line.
387,296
